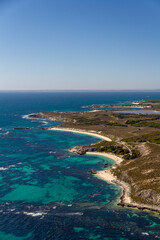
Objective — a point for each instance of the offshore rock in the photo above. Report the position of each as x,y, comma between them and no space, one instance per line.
92,171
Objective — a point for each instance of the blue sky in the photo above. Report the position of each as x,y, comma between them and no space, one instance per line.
79,44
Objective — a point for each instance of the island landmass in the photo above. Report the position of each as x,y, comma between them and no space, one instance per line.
132,139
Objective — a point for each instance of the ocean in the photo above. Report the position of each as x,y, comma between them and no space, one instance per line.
45,191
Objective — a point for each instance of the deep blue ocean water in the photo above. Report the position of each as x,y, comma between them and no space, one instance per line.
45,191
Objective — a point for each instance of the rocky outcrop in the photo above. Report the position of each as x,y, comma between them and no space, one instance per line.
54,116
82,150
36,115
79,150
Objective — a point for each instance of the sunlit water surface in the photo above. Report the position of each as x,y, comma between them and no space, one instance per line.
45,191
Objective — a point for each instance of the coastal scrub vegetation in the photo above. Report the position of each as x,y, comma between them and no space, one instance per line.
97,121
112,147
142,123
142,175
153,137
134,154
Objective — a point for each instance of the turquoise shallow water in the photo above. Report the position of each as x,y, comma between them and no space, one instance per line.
45,190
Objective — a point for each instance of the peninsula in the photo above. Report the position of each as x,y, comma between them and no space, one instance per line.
131,139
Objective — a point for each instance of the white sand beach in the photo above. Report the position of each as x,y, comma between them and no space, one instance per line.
92,133
117,159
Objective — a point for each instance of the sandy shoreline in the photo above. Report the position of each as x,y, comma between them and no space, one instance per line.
106,175
117,159
92,133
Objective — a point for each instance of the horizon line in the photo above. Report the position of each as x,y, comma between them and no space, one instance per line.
80,90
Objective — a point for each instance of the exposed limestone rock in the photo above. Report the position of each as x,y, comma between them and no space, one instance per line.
79,150
82,150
